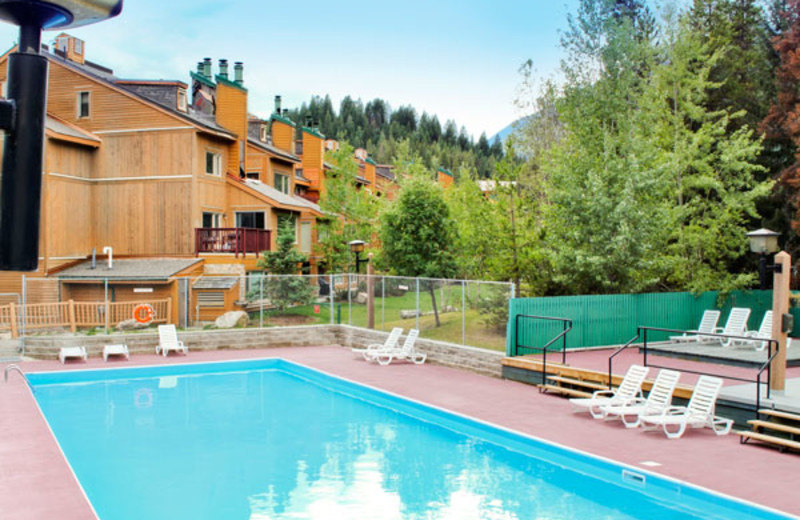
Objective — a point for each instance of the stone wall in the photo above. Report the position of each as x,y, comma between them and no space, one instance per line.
478,360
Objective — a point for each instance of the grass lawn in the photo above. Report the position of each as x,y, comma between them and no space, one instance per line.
387,316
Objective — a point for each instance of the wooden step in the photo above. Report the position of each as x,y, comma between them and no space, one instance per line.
769,425
782,415
564,390
771,439
578,382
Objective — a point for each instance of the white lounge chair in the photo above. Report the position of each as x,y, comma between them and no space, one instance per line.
764,332
629,389
391,342
699,413
168,340
735,326
115,350
658,400
406,351
72,352
708,323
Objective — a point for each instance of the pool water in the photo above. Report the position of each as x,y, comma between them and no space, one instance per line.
272,440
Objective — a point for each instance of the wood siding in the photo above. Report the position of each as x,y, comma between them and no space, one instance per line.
232,115
283,136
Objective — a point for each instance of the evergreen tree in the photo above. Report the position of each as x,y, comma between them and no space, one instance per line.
285,290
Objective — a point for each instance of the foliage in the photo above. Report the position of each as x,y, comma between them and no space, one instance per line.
284,290
417,234
381,130
350,213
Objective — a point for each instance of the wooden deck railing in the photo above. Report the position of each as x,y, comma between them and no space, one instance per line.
231,240
75,315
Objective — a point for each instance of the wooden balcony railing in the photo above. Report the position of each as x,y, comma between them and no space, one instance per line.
231,240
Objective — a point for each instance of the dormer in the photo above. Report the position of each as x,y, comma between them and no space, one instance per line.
70,48
361,153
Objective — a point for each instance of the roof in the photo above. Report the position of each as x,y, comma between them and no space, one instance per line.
130,268
285,120
274,150
60,129
362,180
284,199
313,132
385,171
215,282
111,80
298,175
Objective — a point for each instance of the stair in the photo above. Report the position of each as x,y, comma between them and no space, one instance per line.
782,430
573,382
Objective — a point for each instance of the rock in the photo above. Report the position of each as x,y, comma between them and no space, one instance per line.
131,324
232,319
361,298
407,315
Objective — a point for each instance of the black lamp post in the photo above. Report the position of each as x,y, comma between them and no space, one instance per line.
764,242
22,117
357,247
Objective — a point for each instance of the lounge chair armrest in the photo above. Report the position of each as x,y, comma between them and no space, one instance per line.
602,393
674,410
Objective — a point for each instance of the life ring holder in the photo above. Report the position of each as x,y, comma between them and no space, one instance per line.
143,398
144,313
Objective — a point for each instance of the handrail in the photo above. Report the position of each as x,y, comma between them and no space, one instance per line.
620,349
16,368
767,366
567,323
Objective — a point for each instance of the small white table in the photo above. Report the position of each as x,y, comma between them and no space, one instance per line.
69,352
115,350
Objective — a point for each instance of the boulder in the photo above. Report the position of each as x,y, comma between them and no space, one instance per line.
131,324
232,319
361,298
407,315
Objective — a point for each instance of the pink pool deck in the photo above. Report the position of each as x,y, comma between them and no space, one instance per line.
36,481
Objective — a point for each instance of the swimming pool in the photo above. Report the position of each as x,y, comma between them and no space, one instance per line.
269,439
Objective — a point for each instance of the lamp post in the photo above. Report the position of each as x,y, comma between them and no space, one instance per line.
22,117
357,247
764,242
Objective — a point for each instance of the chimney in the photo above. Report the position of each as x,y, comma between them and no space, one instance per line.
223,69
308,121
238,72
278,105
201,69
207,67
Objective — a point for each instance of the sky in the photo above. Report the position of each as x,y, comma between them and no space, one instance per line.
458,60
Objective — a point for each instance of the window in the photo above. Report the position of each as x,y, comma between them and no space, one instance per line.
213,163
83,104
305,237
181,100
282,182
62,44
250,219
263,133
211,220
78,47
253,175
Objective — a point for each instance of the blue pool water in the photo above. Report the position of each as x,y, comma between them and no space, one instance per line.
268,439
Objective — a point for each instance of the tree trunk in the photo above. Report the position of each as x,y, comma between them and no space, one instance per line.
432,290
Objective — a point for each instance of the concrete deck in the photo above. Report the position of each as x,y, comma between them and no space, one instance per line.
36,482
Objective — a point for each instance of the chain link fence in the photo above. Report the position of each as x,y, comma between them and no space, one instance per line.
464,312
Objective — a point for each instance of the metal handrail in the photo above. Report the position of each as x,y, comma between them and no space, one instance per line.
546,348
620,349
767,366
16,368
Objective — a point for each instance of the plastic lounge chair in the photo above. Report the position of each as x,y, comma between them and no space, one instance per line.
391,342
406,351
708,324
629,389
115,350
735,326
658,400
168,340
699,413
763,332
72,352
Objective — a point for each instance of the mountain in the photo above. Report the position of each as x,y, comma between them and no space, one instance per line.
505,132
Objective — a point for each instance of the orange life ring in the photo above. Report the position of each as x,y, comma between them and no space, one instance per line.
143,313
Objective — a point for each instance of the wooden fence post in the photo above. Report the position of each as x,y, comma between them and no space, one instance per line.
12,316
72,325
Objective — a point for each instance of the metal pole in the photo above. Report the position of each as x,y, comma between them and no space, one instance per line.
261,300
418,309
24,306
383,303
349,299
106,304
330,293
463,314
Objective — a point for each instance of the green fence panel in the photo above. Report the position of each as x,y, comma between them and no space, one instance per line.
601,320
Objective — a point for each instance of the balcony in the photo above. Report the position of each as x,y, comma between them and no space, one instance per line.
231,240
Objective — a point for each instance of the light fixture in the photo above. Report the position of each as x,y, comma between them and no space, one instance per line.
764,242
357,247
